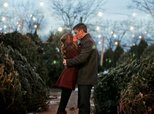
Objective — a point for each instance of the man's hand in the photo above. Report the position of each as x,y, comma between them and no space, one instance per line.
64,62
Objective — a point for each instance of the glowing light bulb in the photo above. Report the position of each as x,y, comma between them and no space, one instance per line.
3,19
60,29
100,14
5,4
41,3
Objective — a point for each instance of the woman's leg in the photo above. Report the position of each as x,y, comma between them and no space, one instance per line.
65,95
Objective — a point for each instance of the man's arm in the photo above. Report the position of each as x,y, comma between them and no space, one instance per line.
83,56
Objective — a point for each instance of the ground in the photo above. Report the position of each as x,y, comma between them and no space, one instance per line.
71,107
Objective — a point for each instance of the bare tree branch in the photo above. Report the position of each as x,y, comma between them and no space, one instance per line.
146,6
71,12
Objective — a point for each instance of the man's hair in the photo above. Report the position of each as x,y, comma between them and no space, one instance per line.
80,26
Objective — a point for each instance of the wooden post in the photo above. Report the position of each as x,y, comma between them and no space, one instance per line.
80,19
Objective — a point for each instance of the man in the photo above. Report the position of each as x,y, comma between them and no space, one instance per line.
87,61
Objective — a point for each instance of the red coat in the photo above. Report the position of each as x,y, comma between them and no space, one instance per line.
68,76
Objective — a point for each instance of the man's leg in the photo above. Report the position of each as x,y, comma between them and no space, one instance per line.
84,92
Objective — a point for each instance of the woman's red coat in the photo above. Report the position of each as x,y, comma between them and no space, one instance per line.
68,77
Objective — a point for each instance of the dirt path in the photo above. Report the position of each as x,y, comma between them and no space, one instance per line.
54,102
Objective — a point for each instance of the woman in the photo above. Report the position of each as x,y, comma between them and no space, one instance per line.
67,79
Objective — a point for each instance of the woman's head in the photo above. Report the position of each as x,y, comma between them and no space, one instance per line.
67,38
67,42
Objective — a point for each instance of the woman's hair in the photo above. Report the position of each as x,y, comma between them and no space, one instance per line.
66,40
69,48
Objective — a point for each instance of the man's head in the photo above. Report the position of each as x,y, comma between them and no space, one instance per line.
80,30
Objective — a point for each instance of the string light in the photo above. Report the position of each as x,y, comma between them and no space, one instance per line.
99,36
41,3
3,19
116,43
134,14
60,29
34,18
35,26
99,42
114,35
140,37
4,26
97,28
100,14
112,32
131,28
5,4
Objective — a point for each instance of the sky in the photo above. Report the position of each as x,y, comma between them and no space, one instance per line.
113,9
116,10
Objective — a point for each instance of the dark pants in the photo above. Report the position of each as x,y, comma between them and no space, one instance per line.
84,92
65,95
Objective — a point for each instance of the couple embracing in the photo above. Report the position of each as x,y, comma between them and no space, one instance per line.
80,58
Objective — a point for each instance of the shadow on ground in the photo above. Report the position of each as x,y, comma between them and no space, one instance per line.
71,107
